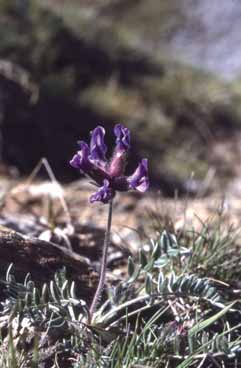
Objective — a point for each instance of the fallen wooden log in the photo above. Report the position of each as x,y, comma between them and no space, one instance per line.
42,259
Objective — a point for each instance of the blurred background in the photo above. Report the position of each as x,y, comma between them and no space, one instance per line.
169,70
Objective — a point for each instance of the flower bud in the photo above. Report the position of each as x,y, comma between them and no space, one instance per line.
118,164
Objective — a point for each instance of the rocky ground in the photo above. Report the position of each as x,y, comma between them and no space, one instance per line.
37,207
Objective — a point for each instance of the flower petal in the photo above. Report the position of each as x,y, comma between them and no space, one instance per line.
104,194
139,179
81,159
123,137
97,146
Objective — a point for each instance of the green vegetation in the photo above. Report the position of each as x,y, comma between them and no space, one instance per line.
170,311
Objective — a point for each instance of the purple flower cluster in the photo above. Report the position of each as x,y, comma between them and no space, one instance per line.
109,175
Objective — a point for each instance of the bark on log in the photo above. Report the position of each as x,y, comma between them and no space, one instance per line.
42,259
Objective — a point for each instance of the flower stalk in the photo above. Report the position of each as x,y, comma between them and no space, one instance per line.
109,176
101,283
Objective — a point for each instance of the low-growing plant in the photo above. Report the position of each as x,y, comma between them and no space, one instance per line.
155,317
109,176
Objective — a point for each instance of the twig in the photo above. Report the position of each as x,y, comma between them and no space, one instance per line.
202,361
44,162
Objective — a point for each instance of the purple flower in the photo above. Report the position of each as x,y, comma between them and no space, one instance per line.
139,179
123,137
81,159
109,175
119,159
97,146
104,194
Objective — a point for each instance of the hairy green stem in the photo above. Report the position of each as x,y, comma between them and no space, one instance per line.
103,263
